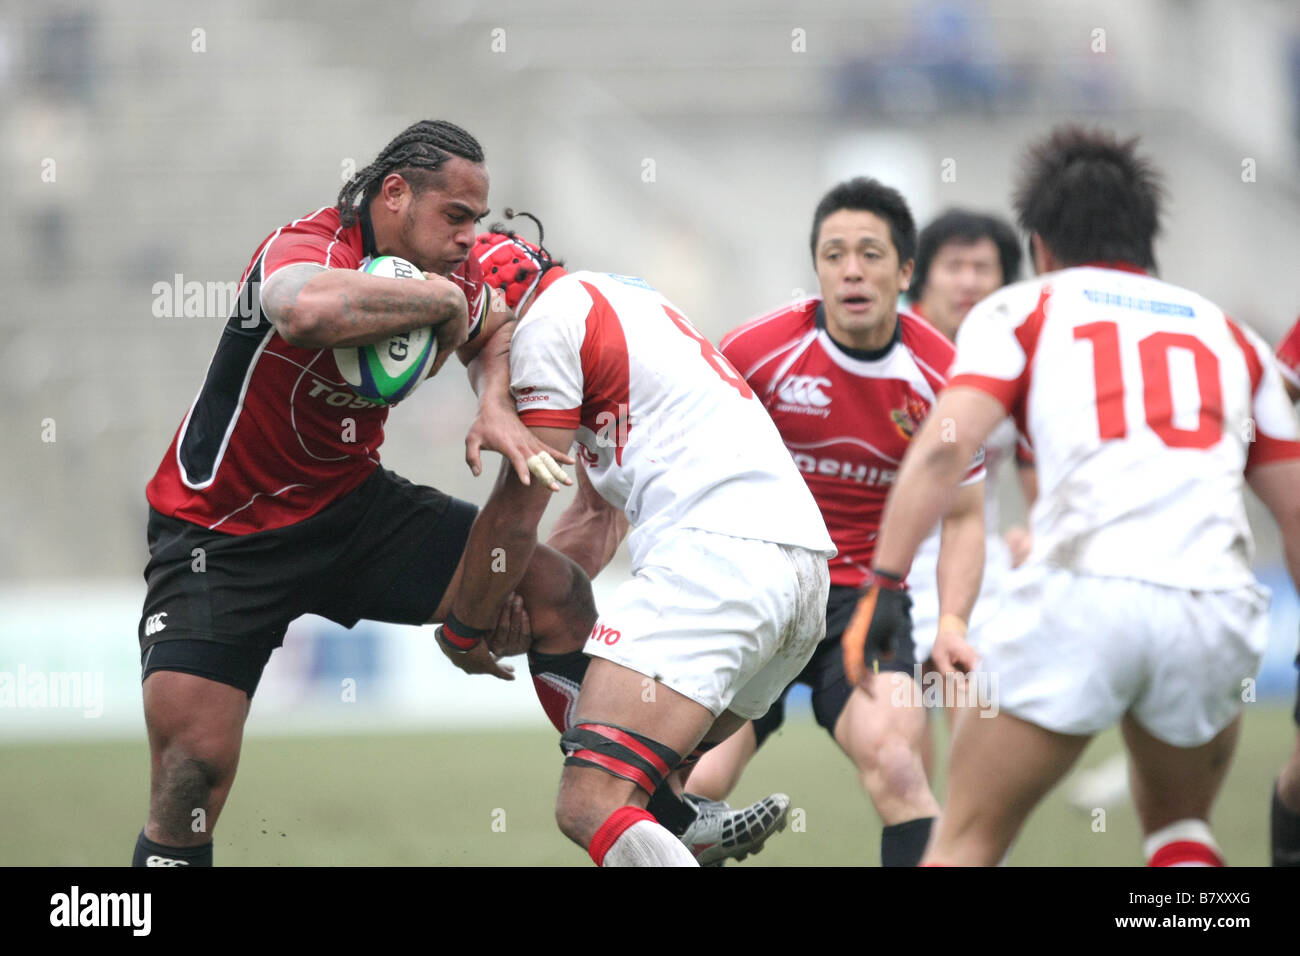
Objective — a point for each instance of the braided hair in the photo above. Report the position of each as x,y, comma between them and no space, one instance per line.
417,153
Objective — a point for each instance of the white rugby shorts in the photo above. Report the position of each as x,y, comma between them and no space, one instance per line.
1073,653
727,622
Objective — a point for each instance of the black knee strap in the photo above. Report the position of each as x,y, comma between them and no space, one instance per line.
619,752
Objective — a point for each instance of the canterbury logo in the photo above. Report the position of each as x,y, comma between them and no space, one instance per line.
805,390
164,861
154,623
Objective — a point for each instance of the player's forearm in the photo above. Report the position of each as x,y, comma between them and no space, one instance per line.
961,555
500,545
489,370
588,536
923,491
1028,476
336,308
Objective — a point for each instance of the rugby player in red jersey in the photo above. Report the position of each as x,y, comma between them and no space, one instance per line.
848,379
271,502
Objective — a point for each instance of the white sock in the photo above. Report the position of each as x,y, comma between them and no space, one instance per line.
631,837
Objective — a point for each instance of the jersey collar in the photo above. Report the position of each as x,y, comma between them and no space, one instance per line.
862,355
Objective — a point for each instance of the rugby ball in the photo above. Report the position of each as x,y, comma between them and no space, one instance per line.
384,373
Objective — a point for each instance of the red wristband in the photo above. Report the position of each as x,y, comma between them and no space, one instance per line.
460,635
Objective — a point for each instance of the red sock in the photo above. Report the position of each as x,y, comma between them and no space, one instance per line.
1183,843
613,828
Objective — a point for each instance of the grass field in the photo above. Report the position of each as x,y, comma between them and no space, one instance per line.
487,799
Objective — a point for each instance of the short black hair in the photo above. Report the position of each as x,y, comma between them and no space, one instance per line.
868,195
1090,197
418,154
965,227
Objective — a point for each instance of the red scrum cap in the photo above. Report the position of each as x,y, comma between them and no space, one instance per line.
514,265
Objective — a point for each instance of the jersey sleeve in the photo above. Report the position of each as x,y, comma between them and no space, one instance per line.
1288,356
546,376
314,240
996,342
747,346
1276,435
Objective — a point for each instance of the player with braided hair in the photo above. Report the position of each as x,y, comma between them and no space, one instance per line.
417,154
271,503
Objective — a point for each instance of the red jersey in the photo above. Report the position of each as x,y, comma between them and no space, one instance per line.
845,415
274,434
1288,355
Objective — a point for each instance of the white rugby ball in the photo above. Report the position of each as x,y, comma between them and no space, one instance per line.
384,373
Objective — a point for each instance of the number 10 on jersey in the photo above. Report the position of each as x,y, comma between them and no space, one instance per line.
1157,388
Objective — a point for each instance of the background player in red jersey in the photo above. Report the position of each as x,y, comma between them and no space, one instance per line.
1284,827
961,258
270,502
847,379
1145,404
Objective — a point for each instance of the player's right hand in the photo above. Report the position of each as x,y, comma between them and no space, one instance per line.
881,620
449,336
497,428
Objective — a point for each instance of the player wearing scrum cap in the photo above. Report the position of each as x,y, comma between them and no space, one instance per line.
271,502
1145,405
729,576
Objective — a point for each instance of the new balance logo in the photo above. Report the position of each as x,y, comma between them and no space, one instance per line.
154,623
803,394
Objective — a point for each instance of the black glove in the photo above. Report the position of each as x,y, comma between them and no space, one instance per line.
881,620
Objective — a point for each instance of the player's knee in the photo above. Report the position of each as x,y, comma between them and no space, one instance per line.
572,816
890,760
604,767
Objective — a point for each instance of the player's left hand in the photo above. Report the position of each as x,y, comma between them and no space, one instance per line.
881,620
952,652
498,428
479,660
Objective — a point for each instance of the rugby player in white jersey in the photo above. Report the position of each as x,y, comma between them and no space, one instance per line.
1145,405
1284,822
729,578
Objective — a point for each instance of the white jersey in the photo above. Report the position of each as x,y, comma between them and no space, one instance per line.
668,430
1144,404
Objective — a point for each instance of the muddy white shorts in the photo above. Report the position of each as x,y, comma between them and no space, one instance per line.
727,622
1073,653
